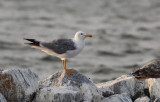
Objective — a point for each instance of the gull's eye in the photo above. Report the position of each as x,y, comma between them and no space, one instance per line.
81,33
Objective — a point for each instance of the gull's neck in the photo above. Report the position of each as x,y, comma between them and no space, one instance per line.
79,42
76,38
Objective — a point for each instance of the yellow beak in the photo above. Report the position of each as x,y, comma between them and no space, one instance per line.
88,35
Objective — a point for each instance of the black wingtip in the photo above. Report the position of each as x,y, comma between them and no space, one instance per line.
33,42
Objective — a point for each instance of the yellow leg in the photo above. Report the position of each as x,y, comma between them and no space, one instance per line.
68,71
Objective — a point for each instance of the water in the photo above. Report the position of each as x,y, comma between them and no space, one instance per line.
125,34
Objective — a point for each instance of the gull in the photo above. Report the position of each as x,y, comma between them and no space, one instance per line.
62,48
150,70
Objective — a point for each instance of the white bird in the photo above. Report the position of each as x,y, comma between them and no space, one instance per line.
62,48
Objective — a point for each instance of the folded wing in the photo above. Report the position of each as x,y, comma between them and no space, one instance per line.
59,46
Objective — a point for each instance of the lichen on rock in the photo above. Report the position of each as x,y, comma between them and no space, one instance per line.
18,85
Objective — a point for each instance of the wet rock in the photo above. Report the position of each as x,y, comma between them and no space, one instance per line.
124,84
154,88
124,97
142,99
2,98
60,87
18,85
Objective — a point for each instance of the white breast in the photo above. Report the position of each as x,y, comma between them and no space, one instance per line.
79,46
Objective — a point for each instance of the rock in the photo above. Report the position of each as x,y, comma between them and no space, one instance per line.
124,84
157,100
2,98
154,88
124,97
18,85
58,94
142,99
60,87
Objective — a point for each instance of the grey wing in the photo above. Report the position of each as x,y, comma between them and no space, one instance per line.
59,46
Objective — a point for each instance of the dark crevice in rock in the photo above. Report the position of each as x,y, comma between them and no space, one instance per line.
137,95
33,97
107,94
146,92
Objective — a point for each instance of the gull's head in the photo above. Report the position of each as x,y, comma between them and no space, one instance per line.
80,35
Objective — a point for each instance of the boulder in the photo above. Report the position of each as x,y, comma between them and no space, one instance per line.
62,87
2,98
124,84
142,99
18,85
154,88
124,97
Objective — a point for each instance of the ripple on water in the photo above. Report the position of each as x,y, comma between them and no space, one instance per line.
134,37
131,66
49,58
132,51
102,69
8,45
109,53
128,36
143,29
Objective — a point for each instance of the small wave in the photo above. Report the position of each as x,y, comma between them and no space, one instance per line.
131,51
134,37
50,58
143,29
8,45
107,53
128,36
13,59
131,66
46,18
102,69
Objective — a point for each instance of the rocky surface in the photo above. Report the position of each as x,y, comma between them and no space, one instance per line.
124,84
73,88
21,85
124,97
154,88
2,98
18,85
142,99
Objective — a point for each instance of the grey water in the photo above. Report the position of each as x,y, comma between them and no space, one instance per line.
126,35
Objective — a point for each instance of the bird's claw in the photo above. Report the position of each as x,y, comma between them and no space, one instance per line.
69,71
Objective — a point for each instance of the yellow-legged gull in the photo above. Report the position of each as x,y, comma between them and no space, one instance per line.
62,48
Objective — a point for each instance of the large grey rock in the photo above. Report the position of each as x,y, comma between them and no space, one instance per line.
154,87
60,87
142,99
18,85
58,94
124,84
2,98
124,97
